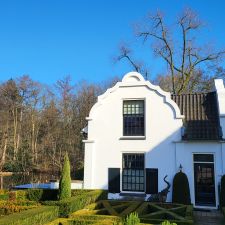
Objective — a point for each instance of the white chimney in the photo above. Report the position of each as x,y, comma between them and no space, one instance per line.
220,90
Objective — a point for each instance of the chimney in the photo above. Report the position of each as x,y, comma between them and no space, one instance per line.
220,90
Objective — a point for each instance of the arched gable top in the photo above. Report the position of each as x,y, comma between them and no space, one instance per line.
134,79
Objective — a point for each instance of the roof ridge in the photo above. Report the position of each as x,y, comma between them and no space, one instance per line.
197,93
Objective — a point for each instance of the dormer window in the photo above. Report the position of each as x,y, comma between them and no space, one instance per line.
133,118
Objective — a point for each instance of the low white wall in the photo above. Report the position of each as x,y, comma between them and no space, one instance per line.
74,185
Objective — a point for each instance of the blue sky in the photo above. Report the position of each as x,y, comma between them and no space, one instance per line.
49,39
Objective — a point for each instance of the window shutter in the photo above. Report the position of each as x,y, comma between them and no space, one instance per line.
114,180
151,181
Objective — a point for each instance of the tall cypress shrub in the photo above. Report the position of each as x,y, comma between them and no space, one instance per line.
181,190
65,180
222,192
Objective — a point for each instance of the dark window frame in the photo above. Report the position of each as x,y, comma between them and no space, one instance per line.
134,117
133,171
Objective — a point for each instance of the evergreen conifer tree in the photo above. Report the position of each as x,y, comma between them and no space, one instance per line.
65,180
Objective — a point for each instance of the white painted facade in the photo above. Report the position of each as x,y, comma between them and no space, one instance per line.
162,144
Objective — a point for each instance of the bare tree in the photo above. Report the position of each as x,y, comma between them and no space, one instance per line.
126,53
183,56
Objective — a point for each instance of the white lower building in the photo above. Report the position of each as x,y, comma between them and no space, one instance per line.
138,134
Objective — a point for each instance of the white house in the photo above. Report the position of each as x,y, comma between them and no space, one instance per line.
138,133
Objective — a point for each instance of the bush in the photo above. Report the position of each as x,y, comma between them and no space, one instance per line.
65,180
132,219
222,192
12,195
76,192
42,194
21,195
37,216
16,195
168,223
67,206
34,194
9,207
181,191
107,220
4,197
223,211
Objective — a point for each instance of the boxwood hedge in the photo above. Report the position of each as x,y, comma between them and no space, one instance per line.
36,216
67,206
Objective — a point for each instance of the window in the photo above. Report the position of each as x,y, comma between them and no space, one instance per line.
203,158
133,172
133,118
204,178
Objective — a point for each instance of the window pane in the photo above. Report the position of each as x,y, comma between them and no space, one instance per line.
133,118
133,167
203,158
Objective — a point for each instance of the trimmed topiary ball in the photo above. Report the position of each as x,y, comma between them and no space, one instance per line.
181,191
222,192
65,180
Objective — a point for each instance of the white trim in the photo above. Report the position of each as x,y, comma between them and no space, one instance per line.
199,141
132,77
132,192
215,179
132,138
88,141
204,207
126,82
121,170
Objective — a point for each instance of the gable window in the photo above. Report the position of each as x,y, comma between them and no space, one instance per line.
133,118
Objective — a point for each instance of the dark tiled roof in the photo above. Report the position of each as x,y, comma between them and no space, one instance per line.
201,116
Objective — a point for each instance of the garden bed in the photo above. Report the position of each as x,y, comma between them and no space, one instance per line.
8,207
150,213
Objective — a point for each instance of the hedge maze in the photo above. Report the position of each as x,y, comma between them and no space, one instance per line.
151,213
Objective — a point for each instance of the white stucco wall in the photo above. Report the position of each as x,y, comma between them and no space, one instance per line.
105,126
184,156
162,143
220,89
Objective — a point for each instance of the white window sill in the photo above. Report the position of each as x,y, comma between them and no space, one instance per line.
132,192
133,138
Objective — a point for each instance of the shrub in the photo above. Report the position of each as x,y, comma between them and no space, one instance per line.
21,195
42,194
168,223
181,191
37,216
222,191
132,219
34,194
67,206
9,207
3,191
12,195
76,192
103,220
149,213
65,180
4,197
18,202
